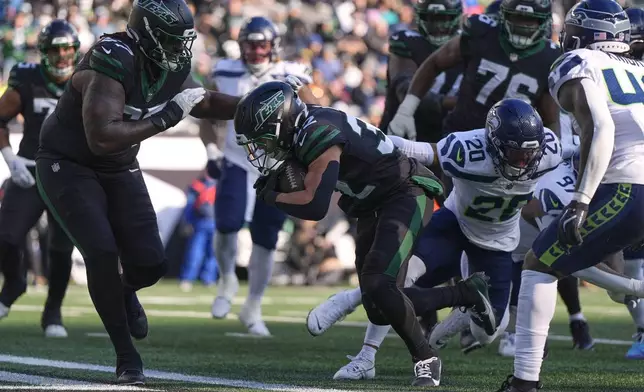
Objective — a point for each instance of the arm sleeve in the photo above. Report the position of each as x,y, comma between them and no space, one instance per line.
421,151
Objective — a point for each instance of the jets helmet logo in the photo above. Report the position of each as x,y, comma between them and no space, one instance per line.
158,9
268,107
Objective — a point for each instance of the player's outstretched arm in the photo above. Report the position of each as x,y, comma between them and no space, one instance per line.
312,203
425,153
103,103
215,105
583,99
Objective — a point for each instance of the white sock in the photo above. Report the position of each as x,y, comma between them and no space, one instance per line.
537,302
633,268
370,352
355,296
613,283
465,266
577,317
260,268
226,252
375,334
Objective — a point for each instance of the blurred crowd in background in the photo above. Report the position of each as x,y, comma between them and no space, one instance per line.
344,42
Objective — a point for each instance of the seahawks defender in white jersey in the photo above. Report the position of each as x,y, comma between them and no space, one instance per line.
495,171
604,93
259,42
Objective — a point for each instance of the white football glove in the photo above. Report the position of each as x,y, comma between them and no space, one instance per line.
20,175
188,99
403,124
295,82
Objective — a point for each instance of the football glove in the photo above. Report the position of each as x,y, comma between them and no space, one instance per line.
570,222
20,175
178,108
403,124
295,82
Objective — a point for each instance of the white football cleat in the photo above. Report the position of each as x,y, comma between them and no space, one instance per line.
453,324
252,319
506,345
225,292
360,368
4,311
329,312
55,331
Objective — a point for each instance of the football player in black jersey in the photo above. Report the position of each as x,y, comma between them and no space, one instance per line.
505,59
34,89
438,21
389,193
129,86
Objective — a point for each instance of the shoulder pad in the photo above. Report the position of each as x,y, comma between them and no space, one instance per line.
478,25
571,65
552,155
314,138
21,75
463,155
401,43
299,70
113,58
229,68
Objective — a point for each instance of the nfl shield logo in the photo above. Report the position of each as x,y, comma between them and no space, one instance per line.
600,35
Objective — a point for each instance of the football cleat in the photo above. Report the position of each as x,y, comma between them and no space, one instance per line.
637,349
512,384
137,321
225,292
360,368
55,331
427,373
329,312
456,322
131,377
252,319
506,345
481,313
581,338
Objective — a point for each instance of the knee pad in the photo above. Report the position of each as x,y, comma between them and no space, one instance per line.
141,276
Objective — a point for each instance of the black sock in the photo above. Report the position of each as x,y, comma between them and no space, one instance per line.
14,272
568,288
60,266
106,290
436,298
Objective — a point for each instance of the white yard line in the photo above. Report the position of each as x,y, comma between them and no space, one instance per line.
58,384
156,374
278,319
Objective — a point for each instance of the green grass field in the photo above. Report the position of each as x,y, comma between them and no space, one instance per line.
202,352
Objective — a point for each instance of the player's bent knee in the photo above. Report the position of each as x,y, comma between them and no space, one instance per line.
141,276
266,238
374,314
375,289
534,264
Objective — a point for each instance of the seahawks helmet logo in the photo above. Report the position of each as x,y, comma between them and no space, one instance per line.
268,107
159,10
493,121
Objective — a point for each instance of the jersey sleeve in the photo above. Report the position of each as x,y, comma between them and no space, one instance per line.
462,155
403,43
114,59
474,28
569,66
314,139
20,78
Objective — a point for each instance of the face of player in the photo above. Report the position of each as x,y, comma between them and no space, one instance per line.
256,53
439,27
523,29
61,61
520,161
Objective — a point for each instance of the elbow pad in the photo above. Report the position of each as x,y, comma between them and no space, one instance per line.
317,208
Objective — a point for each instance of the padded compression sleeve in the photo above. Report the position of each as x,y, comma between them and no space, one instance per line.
317,208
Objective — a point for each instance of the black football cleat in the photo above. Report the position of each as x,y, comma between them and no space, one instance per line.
131,377
427,372
137,321
512,384
481,312
581,338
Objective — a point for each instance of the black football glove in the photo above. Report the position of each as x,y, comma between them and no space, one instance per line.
570,221
265,187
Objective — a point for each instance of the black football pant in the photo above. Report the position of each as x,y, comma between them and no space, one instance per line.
108,216
20,211
384,244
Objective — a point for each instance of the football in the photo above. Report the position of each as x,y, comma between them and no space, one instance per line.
291,177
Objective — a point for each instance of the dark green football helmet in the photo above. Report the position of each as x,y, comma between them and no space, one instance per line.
438,20
164,30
